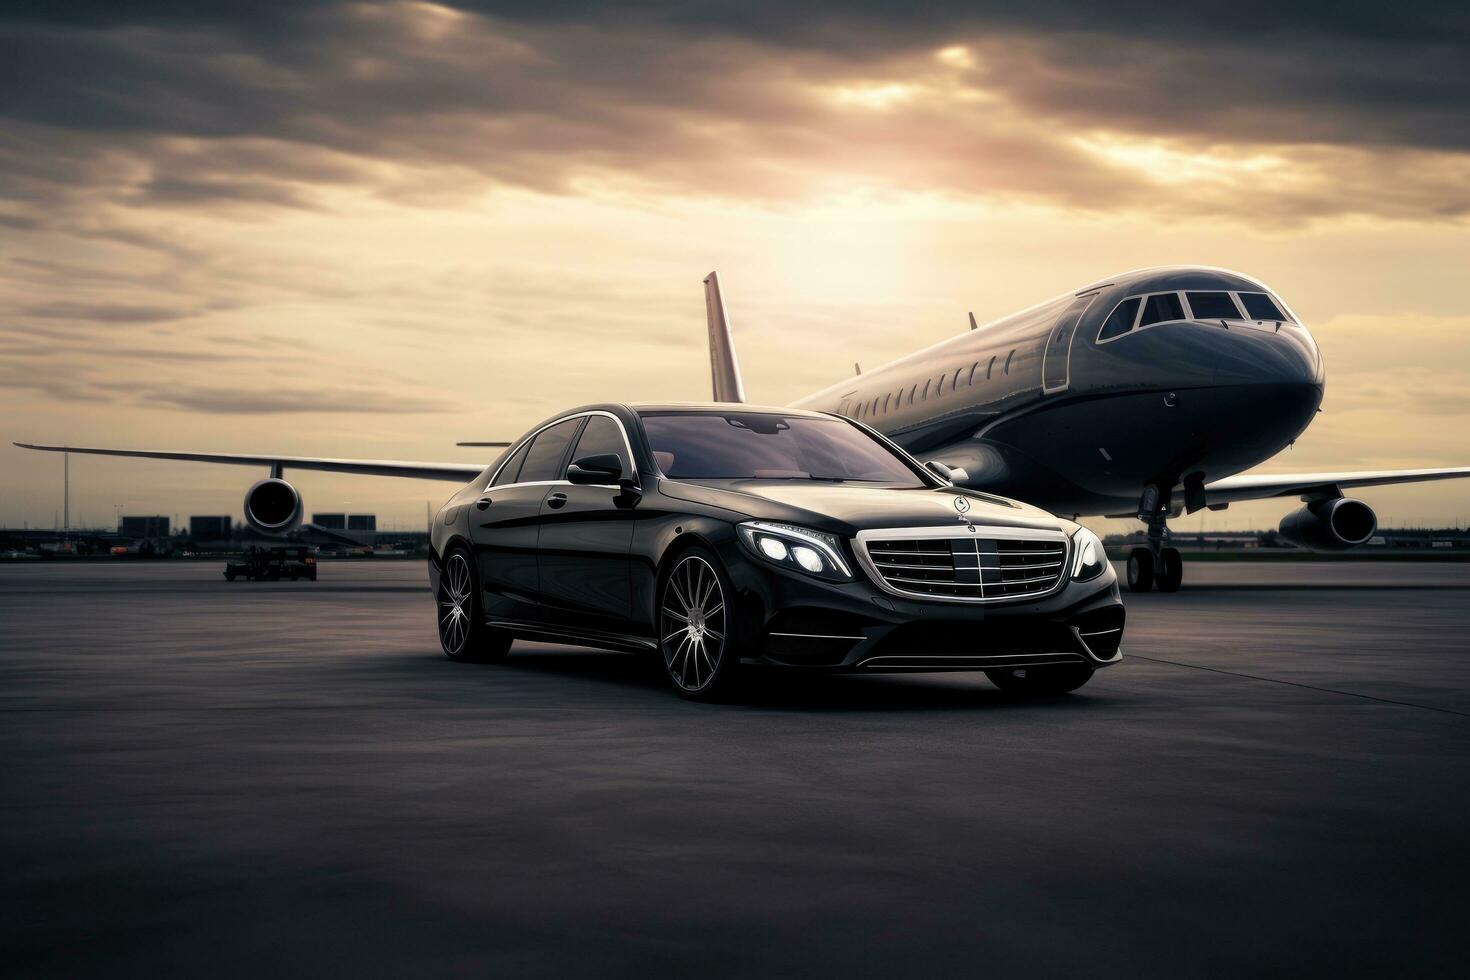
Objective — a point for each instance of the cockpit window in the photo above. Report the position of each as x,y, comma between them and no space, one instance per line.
1259,306
1213,306
1161,307
1120,321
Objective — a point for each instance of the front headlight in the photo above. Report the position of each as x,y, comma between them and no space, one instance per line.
797,548
1090,559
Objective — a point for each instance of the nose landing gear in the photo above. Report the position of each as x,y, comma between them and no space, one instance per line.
1157,564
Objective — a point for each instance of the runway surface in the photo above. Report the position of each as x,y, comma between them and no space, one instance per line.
202,778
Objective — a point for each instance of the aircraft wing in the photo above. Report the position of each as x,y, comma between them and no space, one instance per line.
1248,486
453,472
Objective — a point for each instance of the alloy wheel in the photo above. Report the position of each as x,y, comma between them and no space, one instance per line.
455,605
692,624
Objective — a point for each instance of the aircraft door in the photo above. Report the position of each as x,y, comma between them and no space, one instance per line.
1056,358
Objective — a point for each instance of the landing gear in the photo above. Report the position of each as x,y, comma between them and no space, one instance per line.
1170,572
1140,570
1156,564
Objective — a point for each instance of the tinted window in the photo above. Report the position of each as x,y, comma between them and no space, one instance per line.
512,468
761,446
601,436
1259,306
544,461
1212,306
1120,321
1160,308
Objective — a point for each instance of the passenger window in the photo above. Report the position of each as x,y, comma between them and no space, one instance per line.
1212,306
1160,308
1259,306
990,369
913,391
973,368
512,468
548,451
1120,321
886,399
956,382
601,436
1008,360
926,391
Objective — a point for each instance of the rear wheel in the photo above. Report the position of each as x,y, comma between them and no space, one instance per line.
700,654
1040,682
463,632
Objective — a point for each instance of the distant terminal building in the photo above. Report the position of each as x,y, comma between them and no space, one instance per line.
209,528
143,528
346,522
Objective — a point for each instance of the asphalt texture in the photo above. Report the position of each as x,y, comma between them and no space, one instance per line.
288,779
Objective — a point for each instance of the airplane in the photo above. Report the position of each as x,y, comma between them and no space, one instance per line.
1147,394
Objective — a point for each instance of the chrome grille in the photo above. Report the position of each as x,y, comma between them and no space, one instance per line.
984,565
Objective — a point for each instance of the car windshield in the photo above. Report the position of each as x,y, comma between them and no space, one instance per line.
768,446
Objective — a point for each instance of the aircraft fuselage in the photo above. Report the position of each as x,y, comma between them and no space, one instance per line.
1040,407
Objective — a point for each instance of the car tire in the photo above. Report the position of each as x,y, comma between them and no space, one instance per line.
464,636
1040,682
700,640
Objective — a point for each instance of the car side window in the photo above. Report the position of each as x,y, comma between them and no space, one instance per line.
547,456
510,472
601,436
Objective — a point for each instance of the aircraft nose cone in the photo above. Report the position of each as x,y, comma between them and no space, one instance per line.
1268,354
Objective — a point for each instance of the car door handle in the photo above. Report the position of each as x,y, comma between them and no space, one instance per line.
556,500
482,503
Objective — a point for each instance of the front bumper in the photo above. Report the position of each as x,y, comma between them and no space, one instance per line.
797,621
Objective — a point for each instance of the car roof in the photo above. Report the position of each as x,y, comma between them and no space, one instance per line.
723,408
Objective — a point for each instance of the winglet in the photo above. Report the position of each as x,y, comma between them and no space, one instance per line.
973,324
724,367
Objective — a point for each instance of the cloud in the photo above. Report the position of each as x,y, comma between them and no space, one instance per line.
1175,111
355,401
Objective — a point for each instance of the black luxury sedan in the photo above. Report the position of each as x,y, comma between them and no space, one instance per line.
724,535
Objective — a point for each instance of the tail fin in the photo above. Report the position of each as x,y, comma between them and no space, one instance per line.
724,367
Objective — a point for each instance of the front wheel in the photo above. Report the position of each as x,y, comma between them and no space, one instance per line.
1040,682
700,655
463,633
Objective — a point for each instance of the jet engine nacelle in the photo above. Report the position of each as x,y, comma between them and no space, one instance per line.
1330,524
273,506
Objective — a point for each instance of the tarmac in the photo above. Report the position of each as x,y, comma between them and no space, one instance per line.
206,778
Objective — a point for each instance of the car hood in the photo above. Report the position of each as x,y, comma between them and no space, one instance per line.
846,508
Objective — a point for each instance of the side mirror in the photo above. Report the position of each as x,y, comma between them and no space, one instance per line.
602,468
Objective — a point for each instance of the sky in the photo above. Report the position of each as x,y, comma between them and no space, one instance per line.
375,229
